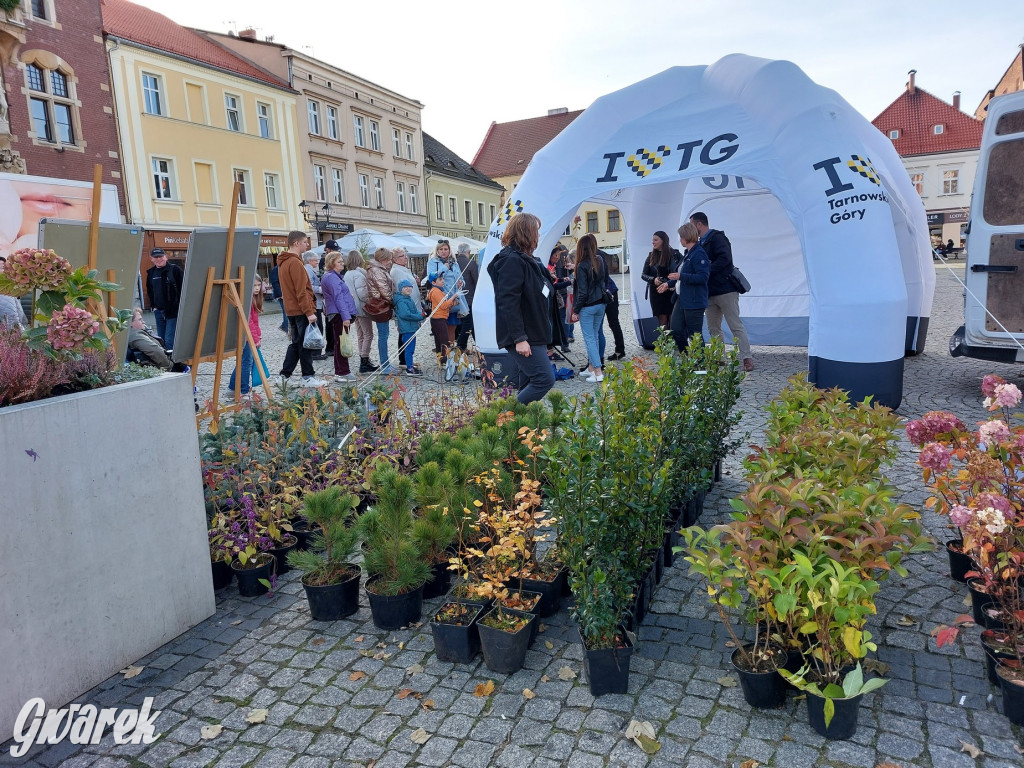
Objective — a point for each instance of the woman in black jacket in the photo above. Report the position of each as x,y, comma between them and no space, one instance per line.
588,304
522,307
661,261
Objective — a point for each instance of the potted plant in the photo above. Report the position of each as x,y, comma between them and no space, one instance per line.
453,625
434,530
222,551
253,564
395,566
330,579
832,708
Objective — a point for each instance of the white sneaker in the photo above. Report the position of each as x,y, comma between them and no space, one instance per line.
313,381
282,380
343,379
592,378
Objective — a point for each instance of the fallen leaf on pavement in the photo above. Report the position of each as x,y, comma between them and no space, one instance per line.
320,641
420,736
356,676
566,673
210,731
727,682
483,690
1018,750
130,672
542,628
642,734
888,765
359,639
415,669
967,600
401,645
407,692
257,716
905,621
749,764
731,644
970,749
545,679
876,666
236,622
548,644
427,705
528,694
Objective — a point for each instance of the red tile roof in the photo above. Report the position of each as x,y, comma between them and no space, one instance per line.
141,25
509,147
915,116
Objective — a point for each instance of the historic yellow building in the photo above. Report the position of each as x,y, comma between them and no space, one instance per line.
193,119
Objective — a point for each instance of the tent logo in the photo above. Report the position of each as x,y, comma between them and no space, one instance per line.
511,209
645,161
862,165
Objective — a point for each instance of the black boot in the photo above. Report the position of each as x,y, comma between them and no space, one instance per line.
365,366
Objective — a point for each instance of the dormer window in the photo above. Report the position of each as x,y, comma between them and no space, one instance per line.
895,134
939,129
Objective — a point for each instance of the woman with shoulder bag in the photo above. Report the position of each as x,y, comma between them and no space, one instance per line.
340,308
379,307
589,307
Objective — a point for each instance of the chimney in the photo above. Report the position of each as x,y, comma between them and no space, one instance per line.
910,82
558,111
248,34
956,100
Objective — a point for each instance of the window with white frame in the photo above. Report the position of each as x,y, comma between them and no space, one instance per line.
409,155
894,134
378,191
375,136
313,115
364,190
40,10
244,192
163,182
266,123
492,215
52,104
360,135
233,109
917,180
950,181
439,207
480,214
414,203
939,129
400,191
453,210
272,184
320,183
332,123
152,99
396,141
614,223
339,185
469,211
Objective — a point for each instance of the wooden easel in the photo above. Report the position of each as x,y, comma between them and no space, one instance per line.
99,308
231,294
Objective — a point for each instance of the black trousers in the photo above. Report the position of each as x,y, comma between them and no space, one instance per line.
296,353
685,323
611,314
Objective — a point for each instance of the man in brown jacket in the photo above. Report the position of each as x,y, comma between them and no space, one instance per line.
300,307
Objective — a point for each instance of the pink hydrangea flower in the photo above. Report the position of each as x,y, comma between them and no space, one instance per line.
993,432
71,327
996,501
1007,395
960,515
931,425
989,384
31,268
991,520
935,456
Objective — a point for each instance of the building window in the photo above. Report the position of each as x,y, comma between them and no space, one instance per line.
939,129
153,103
592,222
378,191
234,112
438,207
480,214
244,194
951,182
51,104
374,136
400,189
567,233
364,190
339,185
917,179
271,183
39,9
313,110
162,171
357,123
469,211
396,141
492,214
613,221
453,210
263,117
414,203
320,183
332,123
408,147
894,134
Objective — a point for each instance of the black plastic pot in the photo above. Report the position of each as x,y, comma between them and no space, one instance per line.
458,643
671,540
689,516
249,578
993,616
697,500
979,600
794,661
505,652
331,602
395,611
844,721
959,563
281,553
658,558
550,593
639,603
649,587
993,643
718,471
1013,695
762,690
440,581
222,574
302,532
607,669
527,594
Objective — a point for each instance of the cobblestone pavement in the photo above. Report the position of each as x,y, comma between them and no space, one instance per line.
268,653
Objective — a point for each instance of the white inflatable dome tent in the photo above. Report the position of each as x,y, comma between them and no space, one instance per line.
821,214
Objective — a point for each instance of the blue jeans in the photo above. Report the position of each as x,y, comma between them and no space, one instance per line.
247,360
409,350
568,330
383,329
591,320
534,375
284,317
165,327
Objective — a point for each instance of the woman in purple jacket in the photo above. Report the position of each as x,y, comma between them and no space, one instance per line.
340,308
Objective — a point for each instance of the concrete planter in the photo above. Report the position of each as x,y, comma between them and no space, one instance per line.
104,555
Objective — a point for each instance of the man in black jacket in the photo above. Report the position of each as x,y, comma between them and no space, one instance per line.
163,288
723,299
522,307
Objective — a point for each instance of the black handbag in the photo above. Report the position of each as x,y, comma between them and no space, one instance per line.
739,281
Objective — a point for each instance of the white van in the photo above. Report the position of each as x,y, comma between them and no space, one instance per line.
993,326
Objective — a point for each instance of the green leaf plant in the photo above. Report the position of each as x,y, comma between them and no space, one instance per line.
332,514
853,685
393,561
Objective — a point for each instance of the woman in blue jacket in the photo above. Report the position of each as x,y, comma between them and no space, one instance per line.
692,288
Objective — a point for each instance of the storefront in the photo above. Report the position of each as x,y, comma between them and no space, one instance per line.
944,226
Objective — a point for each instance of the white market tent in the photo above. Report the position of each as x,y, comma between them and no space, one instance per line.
367,239
820,211
414,244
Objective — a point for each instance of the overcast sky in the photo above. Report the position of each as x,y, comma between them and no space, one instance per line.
473,62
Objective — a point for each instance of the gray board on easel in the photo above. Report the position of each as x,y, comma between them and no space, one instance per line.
119,249
206,248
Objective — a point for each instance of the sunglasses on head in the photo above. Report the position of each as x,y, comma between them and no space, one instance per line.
442,242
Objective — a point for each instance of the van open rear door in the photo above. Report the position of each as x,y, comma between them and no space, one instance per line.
995,240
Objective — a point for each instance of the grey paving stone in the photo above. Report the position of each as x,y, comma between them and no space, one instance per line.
558,746
790,753
238,756
198,759
437,751
492,730
600,743
897,746
514,756
628,754
943,757
310,761
570,720
473,754
584,760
